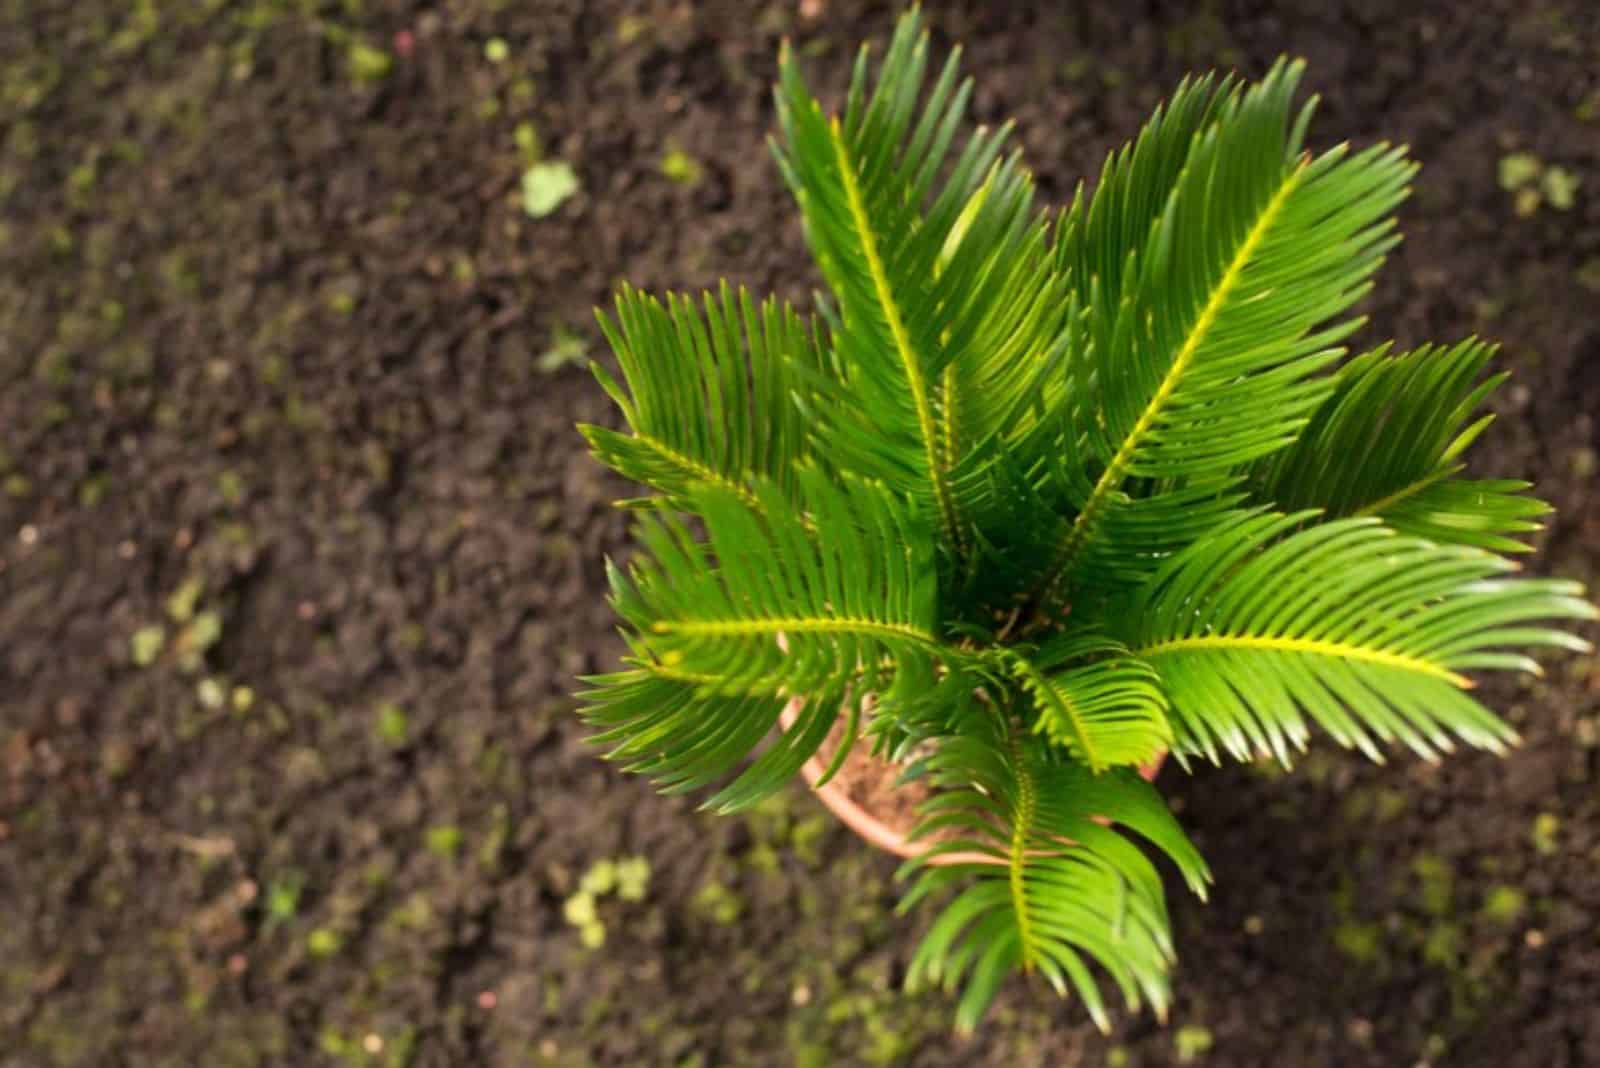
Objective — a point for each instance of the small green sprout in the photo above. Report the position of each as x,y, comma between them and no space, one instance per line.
528,144
1191,1043
394,727
1546,828
1519,169
547,186
443,841
210,694
282,900
633,878
1532,183
323,942
680,167
181,603
146,644
579,911
1560,188
369,64
568,348
600,879
1504,905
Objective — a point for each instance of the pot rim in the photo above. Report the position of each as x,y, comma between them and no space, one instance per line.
874,830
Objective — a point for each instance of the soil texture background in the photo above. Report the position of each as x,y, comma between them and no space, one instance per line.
300,555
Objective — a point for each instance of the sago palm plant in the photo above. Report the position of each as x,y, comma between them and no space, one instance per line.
1059,492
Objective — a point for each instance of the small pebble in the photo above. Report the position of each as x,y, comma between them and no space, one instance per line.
28,534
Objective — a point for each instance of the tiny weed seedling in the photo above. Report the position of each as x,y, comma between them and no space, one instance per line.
1060,492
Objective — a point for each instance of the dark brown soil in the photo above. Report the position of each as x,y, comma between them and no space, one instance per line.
271,328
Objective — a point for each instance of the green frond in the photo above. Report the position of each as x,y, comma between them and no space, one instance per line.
682,733
708,392
1362,630
769,607
1006,313
948,316
1099,234
1208,358
1096,700
1050,890
1420,409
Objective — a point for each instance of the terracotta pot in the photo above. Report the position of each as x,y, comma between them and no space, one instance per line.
860,819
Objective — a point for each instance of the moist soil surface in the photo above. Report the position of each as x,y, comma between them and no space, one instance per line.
300,555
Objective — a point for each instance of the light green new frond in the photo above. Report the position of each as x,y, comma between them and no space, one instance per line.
1347,624
1096,699
944,317
1388,443
708,392
1136,533
1209,358
1049,890
1006,312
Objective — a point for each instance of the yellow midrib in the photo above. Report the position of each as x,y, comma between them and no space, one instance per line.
1021,824
790,625
926,424
1312,646
1409,490
699,470
1111,478
676,674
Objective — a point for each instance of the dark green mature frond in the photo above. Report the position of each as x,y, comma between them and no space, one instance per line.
947,320
1096,700
708,397
1209,358
1364,631
769,608
1048,889
1409,419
